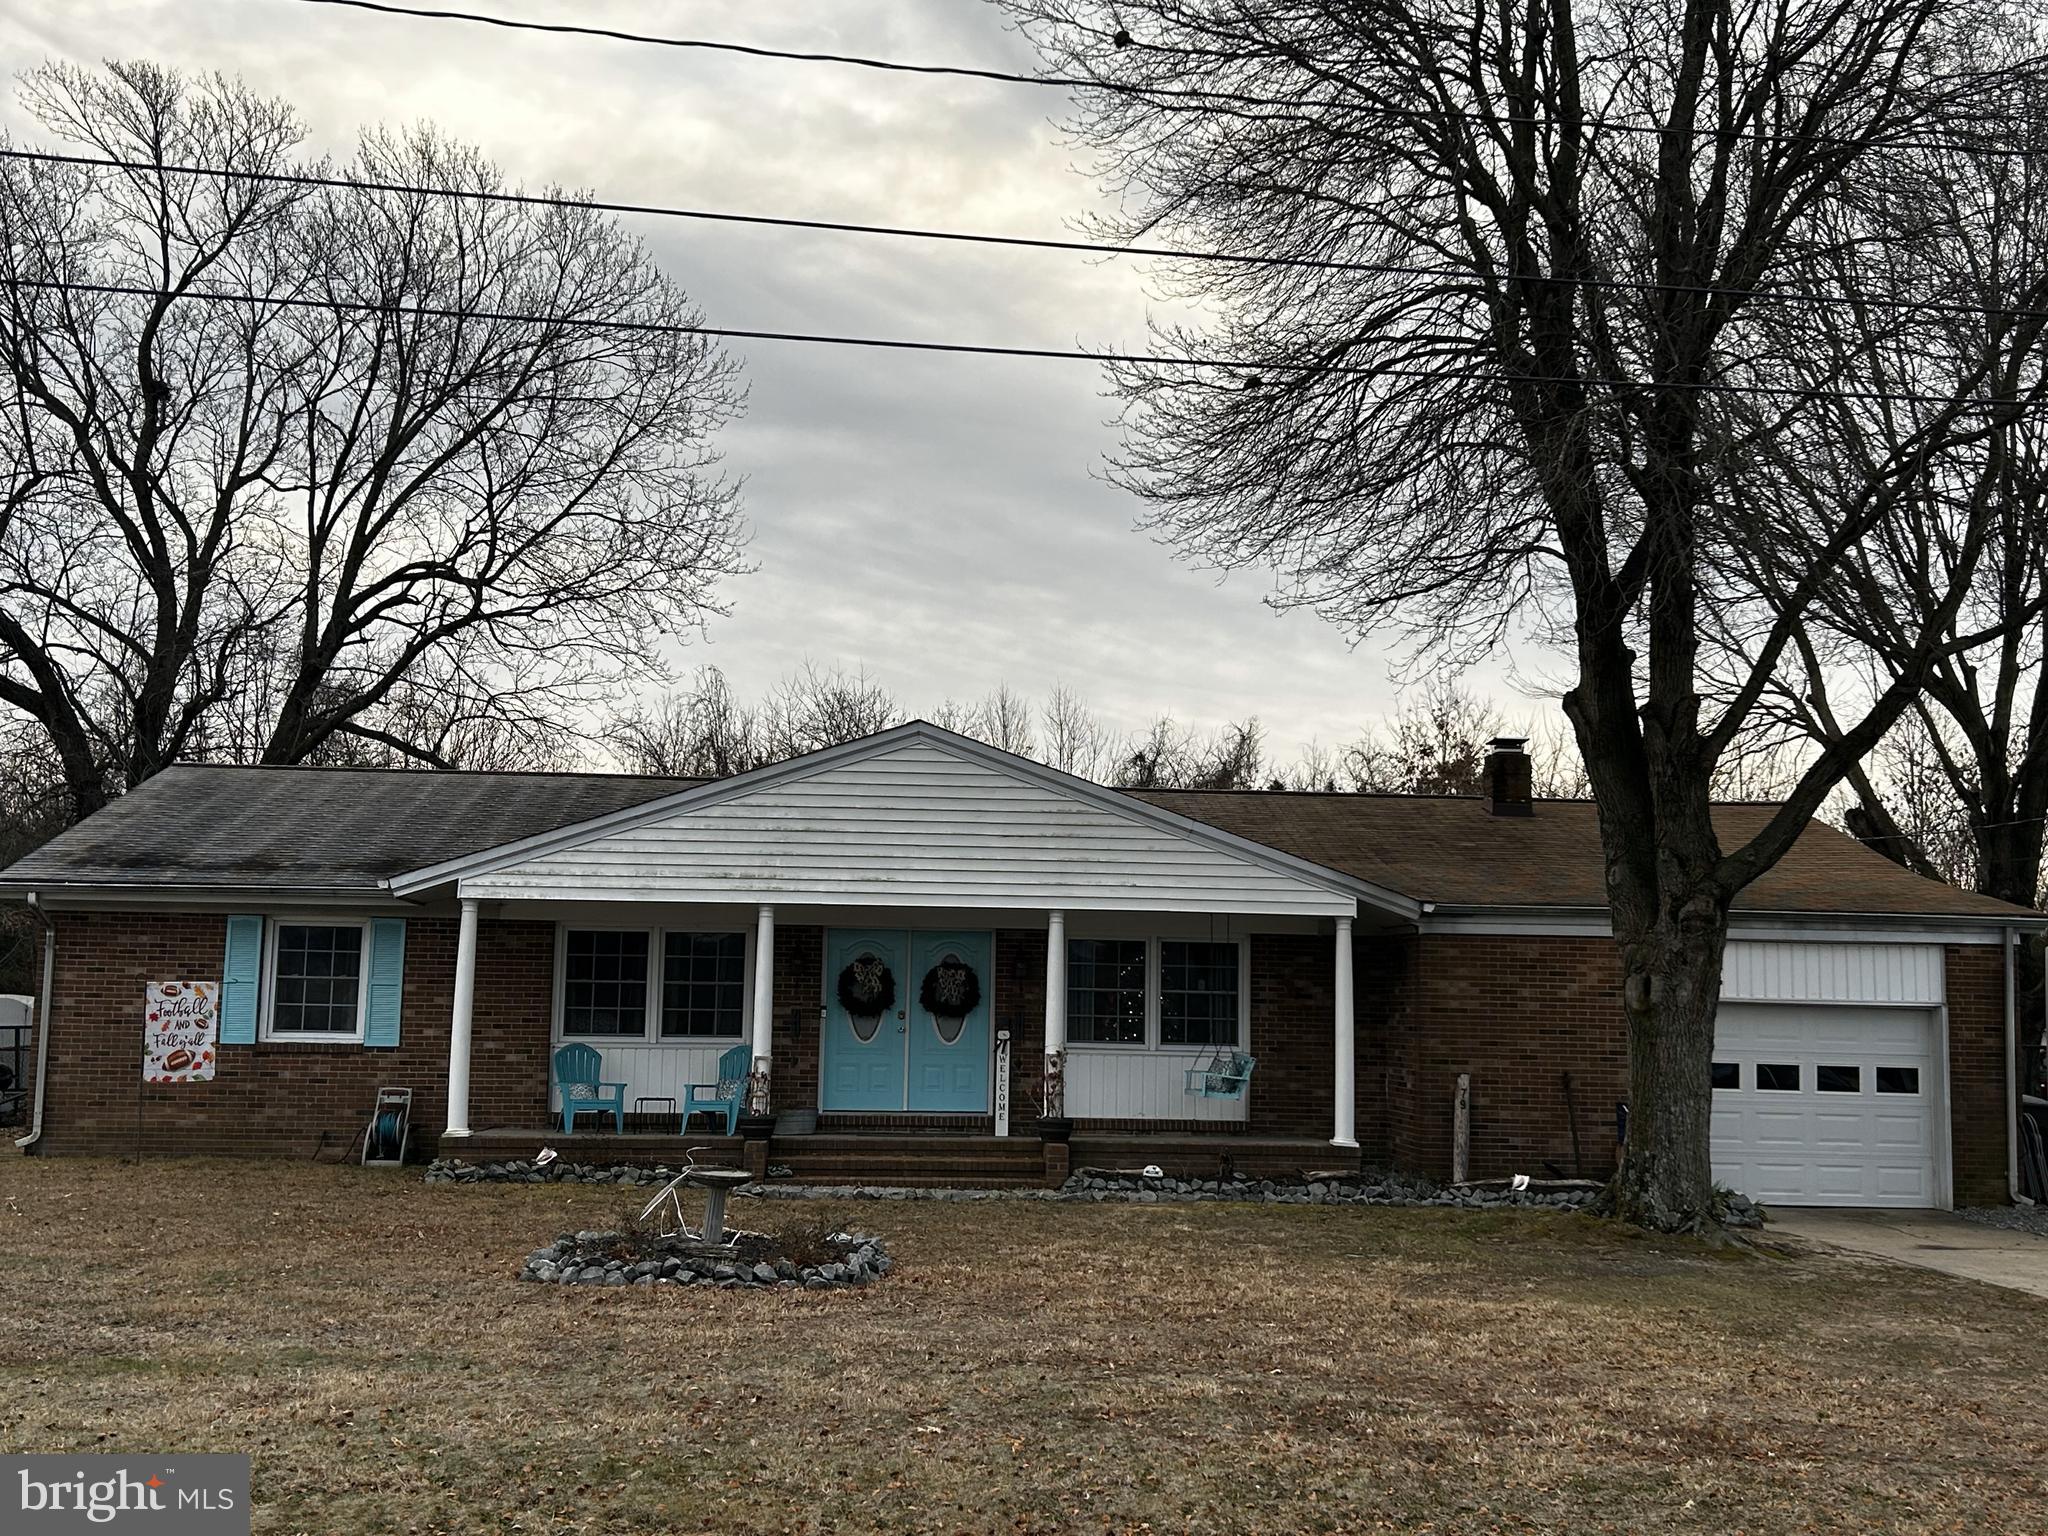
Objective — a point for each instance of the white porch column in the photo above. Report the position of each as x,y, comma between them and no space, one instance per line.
458,1022
1055,1015
1345,1131
758,1096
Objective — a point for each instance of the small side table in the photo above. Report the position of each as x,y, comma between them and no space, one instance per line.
643,1112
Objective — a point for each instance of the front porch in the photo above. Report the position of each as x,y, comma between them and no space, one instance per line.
915,950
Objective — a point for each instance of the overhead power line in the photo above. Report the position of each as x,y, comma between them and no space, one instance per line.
1252,373
1152,92
1026,242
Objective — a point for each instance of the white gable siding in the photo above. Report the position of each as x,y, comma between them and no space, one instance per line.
1805,972
915,826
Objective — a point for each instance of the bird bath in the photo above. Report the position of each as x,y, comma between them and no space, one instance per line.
716,1183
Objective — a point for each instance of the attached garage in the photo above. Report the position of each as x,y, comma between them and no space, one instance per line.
1829,1077
1828,1104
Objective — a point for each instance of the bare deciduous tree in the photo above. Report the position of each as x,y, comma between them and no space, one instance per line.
1434,744
444,478
1074,740
1502,317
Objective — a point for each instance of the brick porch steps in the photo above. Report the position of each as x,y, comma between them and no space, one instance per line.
921,1160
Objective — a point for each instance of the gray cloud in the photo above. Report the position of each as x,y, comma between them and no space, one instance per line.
940,520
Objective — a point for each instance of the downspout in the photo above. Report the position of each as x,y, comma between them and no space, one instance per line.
2012,1077
35,1129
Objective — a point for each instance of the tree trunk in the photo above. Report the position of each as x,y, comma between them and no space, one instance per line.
1670,991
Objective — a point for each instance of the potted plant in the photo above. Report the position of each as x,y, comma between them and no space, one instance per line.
1049,1093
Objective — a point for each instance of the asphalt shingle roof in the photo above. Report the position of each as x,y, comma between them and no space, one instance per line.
332,829
1456,852
317,828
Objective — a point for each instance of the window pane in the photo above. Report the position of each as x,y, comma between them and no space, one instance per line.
701,979
1838,1079
604,988
1898,1079
318,981
1727,1074
1106,991
1777,1077
1197,993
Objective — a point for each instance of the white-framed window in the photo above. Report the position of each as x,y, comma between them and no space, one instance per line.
1199,993
703,986
605,982
316,978
665,986
1172,995
1106,991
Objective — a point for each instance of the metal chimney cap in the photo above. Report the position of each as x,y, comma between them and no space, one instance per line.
1508,743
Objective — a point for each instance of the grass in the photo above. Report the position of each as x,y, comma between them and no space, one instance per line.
1027,1368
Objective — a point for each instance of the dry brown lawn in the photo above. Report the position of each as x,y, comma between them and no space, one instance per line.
1029,1367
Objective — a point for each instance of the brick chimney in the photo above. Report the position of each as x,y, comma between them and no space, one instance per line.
1509,777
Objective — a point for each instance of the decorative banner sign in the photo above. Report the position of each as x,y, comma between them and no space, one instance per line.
180,1023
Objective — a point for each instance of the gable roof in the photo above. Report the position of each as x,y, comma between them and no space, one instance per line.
919,814
347,830
1454,852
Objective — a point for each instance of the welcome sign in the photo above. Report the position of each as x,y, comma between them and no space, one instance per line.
181,1023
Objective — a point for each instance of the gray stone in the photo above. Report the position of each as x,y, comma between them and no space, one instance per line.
764,1274
591,1275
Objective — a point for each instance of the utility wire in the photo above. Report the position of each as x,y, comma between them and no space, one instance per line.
1254,372
1027,242
1174,93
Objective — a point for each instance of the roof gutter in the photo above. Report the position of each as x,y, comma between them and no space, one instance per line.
42,1023
1989,923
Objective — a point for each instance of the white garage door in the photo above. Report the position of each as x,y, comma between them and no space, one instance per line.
1826,1104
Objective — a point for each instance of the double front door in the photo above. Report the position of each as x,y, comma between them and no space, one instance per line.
906,1022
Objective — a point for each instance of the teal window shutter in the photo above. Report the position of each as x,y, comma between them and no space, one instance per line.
241,978
387,981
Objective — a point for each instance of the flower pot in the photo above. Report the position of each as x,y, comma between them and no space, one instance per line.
1055,1128
756,1127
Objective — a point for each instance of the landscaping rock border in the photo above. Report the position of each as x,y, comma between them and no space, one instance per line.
1086,1186
578,1258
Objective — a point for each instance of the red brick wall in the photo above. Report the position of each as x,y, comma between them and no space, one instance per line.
283,1098
799,959
1514,1013
1976,1073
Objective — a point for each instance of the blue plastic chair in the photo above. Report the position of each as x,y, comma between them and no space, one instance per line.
577,1071
727,1094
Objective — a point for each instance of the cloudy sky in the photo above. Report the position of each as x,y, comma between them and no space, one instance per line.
939,520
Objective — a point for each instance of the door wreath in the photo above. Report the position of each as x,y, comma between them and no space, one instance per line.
867,989
951,991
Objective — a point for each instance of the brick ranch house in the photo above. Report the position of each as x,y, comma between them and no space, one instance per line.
449,932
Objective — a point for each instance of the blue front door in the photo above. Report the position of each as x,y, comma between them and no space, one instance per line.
949,1062
862,1066
908,1057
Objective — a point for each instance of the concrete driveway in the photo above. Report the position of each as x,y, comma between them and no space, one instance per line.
1930,1239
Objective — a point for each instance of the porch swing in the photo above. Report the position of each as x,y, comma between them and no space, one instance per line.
1225,1075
